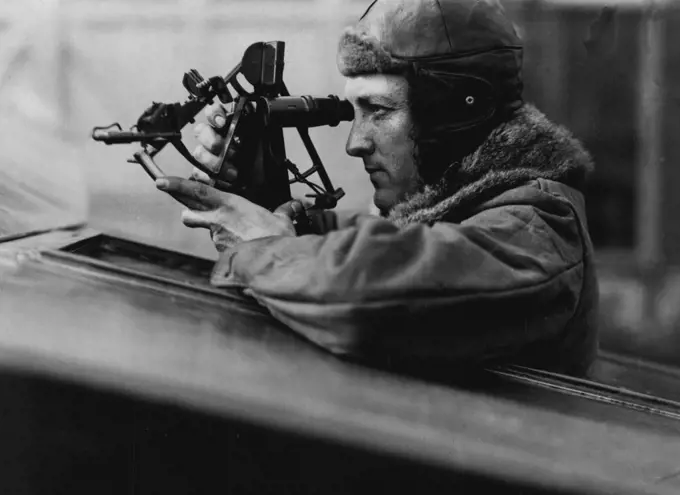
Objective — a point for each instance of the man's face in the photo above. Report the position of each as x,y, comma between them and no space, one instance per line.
381,136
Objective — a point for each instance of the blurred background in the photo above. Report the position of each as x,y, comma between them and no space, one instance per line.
603,69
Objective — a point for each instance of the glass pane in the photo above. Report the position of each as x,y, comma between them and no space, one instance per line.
41,181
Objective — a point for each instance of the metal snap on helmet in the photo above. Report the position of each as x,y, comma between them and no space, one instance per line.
469,43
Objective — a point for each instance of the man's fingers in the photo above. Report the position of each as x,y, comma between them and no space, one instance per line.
190,203
209,139
290,209
196,219
222,185
212,162
200,176
206,158
217,114
207,196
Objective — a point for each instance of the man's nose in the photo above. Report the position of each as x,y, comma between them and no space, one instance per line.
359,141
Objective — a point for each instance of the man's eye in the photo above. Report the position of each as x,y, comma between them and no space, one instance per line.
377,109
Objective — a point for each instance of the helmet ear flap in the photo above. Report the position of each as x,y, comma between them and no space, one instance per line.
455,102
453,114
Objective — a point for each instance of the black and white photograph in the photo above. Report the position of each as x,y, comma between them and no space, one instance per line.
339,247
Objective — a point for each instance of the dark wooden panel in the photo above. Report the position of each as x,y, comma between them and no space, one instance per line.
68,320
64,439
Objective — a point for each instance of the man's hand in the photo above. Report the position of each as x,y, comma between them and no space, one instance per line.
212,143
231,219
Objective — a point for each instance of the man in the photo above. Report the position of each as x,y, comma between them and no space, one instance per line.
481,253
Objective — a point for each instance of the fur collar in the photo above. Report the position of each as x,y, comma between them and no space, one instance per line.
524,148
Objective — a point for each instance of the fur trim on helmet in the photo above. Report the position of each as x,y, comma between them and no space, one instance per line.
360,53
527,147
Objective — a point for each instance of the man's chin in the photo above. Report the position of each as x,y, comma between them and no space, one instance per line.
383,201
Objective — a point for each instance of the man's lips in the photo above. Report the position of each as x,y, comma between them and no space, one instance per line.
376,175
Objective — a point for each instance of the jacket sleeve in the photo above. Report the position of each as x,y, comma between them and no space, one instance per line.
325,221
506,277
